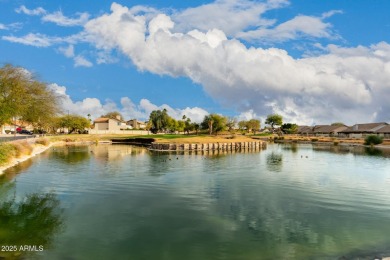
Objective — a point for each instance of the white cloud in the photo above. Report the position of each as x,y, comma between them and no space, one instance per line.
127,108
3,27
105,57
307,26
248,115
347,84
32,39
331,13
37,11
339,84
67,51
56,17
61,20
80,61
230,16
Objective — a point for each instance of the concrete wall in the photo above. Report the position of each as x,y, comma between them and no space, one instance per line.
101,126
114,125
255,145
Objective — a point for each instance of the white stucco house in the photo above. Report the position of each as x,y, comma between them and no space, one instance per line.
109,124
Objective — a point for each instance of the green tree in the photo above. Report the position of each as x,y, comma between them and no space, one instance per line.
253,125
242,125
74,123
214,122
273,120
289,128
373,140
159,120
231,123
338,124
113,115
25,98
196,127
188,126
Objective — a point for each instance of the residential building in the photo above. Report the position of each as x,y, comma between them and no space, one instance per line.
305,130
328,130
362,130
111,124
135,124
384,132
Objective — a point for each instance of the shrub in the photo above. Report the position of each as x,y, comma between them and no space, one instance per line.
373,140
6,152
314,139
7,131
43,141
336,143
22,148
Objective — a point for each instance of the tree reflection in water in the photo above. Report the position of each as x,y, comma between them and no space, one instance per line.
71,154
33,221
274,162
373,151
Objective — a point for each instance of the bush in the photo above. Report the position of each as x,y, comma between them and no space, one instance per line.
42,141
336,143
22,148
6,152
314,139
7,131
373,140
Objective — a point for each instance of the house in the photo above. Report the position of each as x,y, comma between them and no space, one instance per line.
362,130
135,124
384,131
110,124
305,130
328,130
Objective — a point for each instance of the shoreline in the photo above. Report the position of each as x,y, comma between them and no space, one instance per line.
37,149
167,145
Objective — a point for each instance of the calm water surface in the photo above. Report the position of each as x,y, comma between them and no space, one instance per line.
125,202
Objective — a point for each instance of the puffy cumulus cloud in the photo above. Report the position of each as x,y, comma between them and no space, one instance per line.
345,84
127,107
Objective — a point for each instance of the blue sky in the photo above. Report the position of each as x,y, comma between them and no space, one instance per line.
314,62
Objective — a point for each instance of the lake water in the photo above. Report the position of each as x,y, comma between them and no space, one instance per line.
125,202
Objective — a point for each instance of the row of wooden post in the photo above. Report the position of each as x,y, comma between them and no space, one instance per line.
256,145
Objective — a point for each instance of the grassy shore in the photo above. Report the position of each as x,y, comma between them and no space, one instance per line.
334,140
